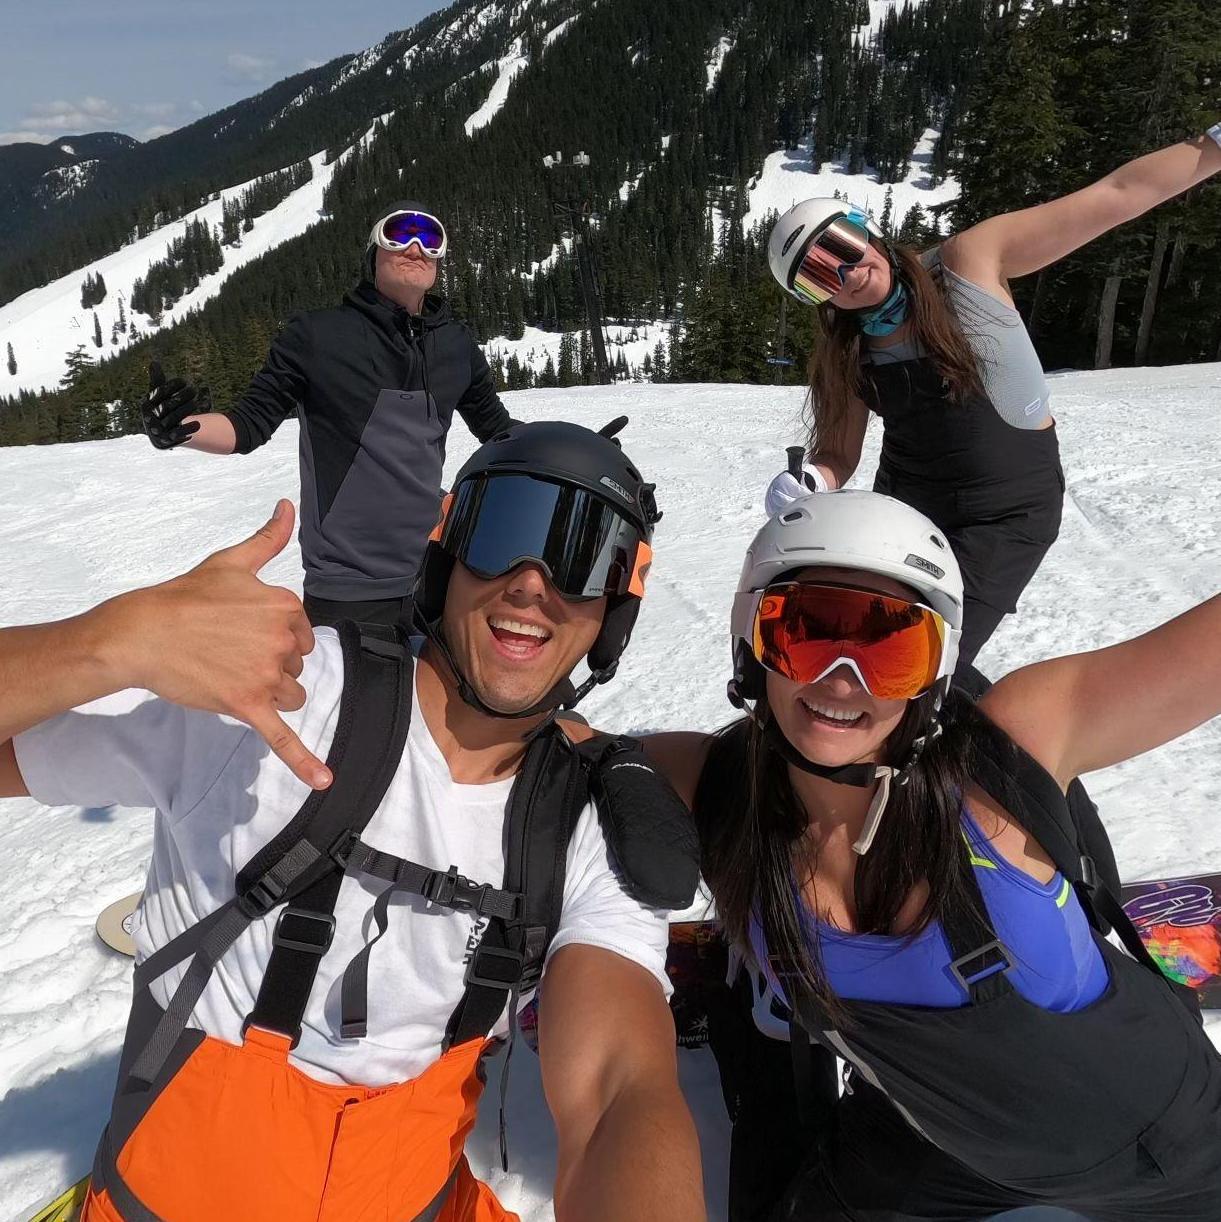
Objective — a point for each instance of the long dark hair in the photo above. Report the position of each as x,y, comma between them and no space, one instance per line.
753,835
835,360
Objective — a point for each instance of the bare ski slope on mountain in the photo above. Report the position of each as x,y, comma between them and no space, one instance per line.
1141,542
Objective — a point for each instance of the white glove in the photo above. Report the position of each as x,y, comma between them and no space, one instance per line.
786,488
1214,133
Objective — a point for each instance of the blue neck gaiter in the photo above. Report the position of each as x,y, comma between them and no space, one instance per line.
888,317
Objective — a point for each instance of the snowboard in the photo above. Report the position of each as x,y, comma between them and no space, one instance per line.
66,1207
1179,920
115,921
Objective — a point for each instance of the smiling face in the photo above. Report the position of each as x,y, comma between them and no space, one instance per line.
835,720
866,284
514,637
405,275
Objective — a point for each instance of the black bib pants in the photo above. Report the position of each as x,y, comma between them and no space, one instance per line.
996,491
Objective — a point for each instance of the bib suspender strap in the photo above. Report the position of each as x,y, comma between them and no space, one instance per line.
1035,799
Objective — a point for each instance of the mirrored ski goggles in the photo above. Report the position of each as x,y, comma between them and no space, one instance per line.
818,276
400,229
804,631
585,547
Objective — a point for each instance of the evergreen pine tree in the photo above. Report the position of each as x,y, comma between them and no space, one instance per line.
97,330
12,362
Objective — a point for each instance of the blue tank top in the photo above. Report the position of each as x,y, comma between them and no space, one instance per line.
1056,964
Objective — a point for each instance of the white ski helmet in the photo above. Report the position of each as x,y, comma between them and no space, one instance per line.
850,529
794,231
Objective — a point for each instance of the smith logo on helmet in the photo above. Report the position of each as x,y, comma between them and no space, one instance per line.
928,566
623,492
784,250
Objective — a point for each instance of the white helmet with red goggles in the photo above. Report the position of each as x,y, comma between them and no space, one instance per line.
849,529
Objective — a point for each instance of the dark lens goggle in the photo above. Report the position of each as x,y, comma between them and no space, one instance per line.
587,550
804,631
405,227
840,244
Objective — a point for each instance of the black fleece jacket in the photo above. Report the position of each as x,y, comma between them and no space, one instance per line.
375,389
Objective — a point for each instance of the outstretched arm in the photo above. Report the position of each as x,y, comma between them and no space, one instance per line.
1091,710
1019,243
216,638
628,1149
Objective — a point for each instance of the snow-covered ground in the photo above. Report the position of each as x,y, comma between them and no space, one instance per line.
634,340
1141,542
787,177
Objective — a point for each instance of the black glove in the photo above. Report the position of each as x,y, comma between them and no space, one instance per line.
167,404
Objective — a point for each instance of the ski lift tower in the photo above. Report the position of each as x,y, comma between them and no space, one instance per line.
578,217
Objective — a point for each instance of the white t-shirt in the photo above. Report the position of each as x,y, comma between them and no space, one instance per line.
220,795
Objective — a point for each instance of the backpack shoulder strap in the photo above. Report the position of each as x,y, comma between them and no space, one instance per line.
374,716
547,797
651,835
1028,791
298,867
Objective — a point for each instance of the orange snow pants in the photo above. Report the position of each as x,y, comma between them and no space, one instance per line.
236,1132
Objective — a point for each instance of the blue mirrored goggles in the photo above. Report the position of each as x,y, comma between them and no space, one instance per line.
400,229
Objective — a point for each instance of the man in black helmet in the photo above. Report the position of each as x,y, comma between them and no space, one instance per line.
375,382
353,951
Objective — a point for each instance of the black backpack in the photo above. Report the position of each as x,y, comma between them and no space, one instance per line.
650,835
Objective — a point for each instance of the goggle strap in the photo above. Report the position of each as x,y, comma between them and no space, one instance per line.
439,529
644,562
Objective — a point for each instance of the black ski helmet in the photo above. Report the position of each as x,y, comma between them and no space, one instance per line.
555,451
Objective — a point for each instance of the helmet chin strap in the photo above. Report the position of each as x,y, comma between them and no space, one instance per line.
562,696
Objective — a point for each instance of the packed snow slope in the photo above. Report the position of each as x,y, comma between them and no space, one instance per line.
1141,542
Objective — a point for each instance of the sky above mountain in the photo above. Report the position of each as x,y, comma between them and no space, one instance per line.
145,67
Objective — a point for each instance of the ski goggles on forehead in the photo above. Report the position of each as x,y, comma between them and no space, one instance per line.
805,631
495,523
818,277
400,229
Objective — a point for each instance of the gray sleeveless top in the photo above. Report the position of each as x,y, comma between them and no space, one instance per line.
1008,365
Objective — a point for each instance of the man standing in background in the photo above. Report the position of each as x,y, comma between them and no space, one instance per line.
375,382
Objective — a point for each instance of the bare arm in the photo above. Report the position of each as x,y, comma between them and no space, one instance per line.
215,435
1019,243
1091,710
215,638
628,1149
838,464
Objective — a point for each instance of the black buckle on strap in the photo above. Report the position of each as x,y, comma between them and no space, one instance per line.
311,932
974,966
1089,873
452,890
262,897
493,957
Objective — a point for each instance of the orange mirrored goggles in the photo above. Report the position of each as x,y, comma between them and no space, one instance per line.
804,631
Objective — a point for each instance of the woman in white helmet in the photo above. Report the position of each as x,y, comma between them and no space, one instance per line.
897,867
934,346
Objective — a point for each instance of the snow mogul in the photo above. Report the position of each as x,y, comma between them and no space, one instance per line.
322,974
897,867
933,345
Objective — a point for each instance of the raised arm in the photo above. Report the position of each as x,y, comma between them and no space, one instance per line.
1091,710
1019,243
838,461
628,1149
216,638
